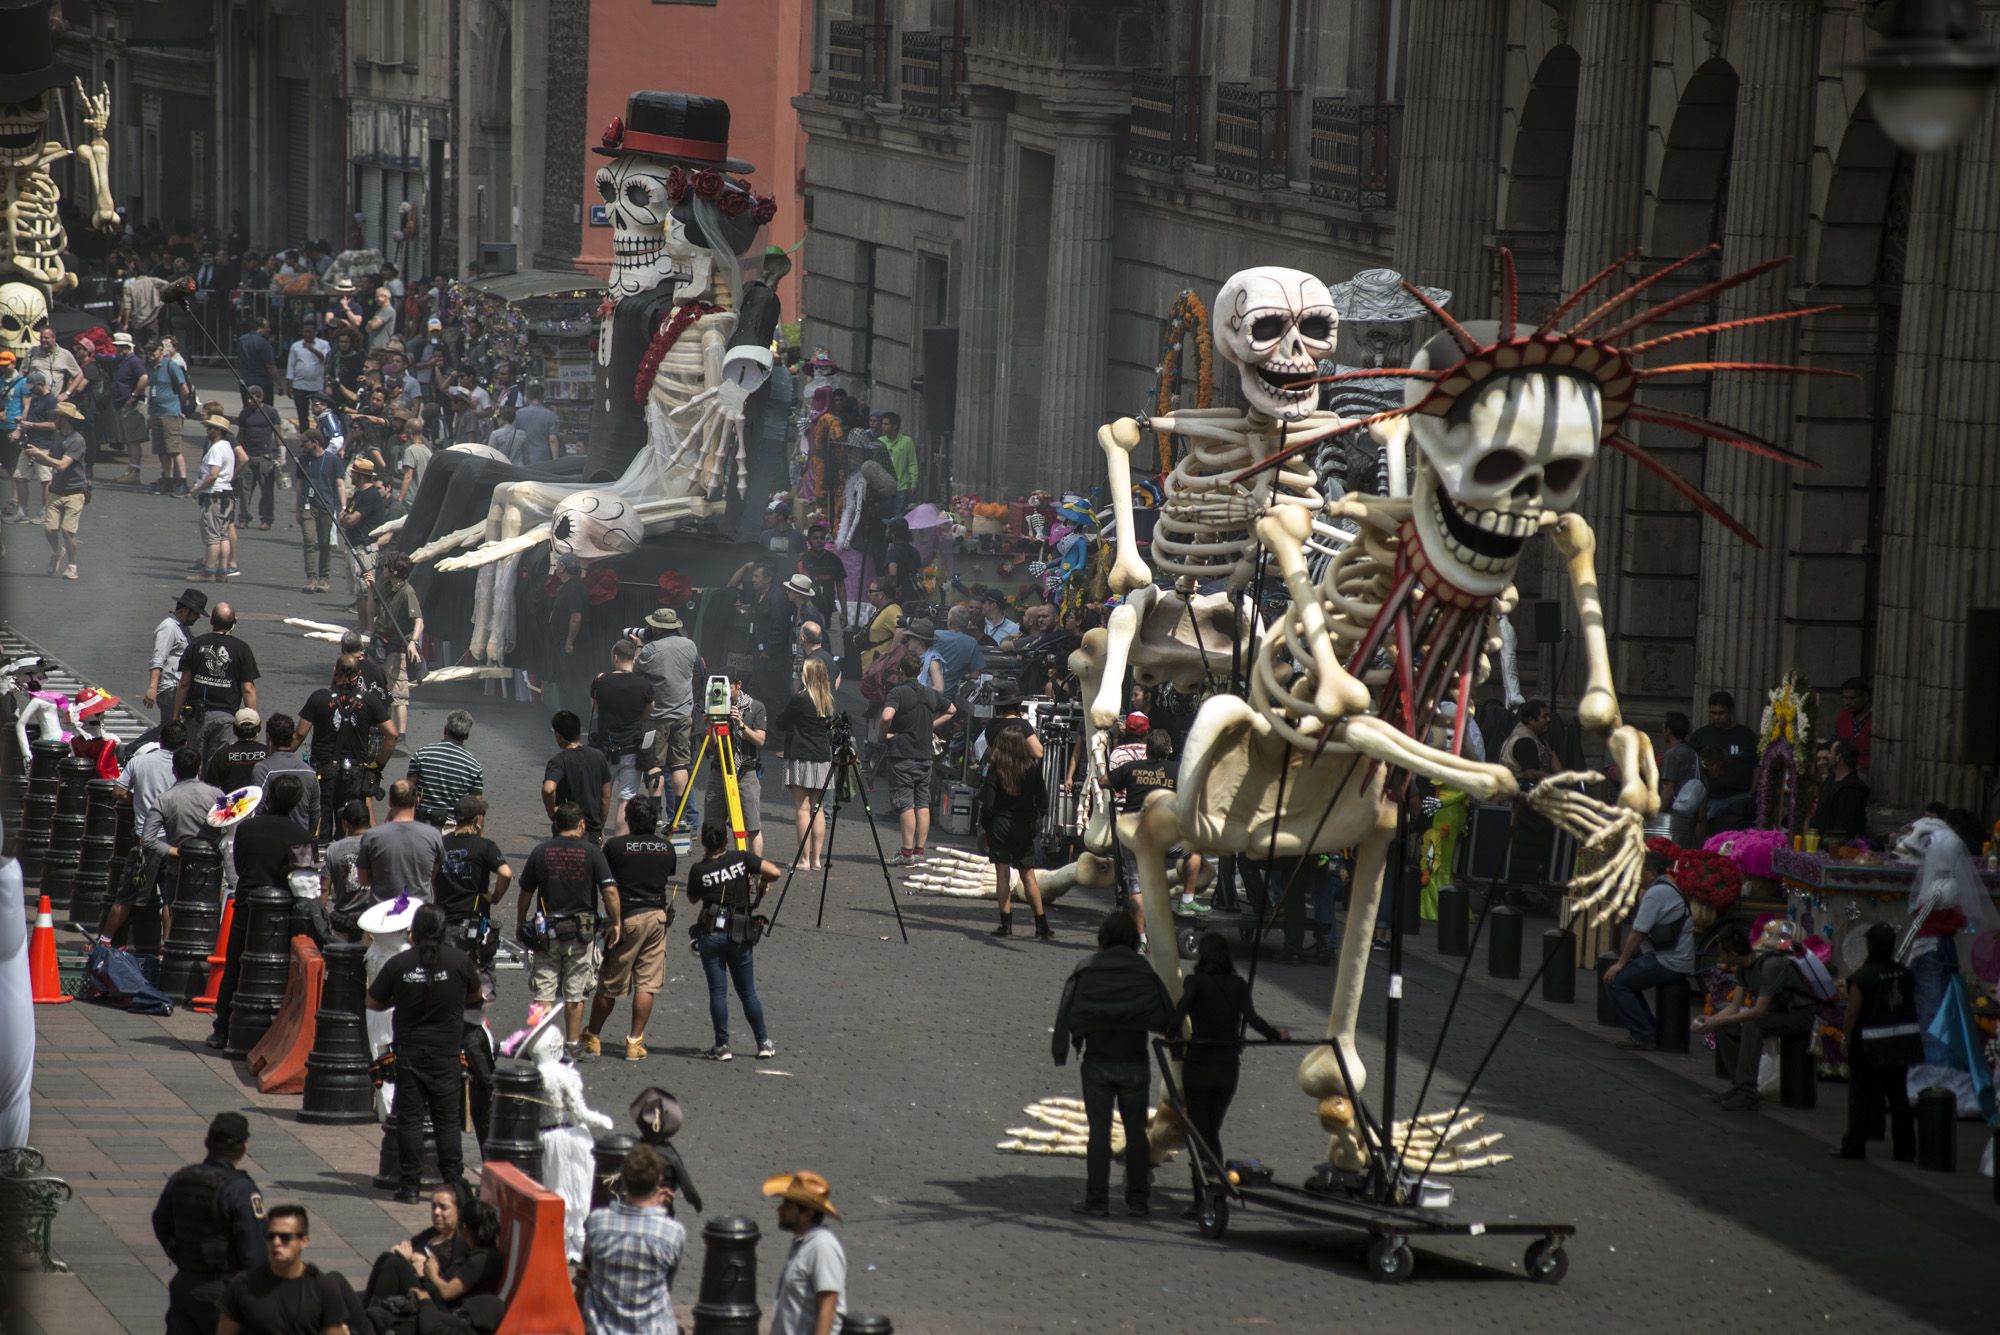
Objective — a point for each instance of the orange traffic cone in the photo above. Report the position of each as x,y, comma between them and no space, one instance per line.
42,959
218,960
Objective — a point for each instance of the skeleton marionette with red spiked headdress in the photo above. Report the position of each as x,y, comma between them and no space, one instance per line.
1344,690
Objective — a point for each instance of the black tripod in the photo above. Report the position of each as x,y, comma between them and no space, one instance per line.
846,768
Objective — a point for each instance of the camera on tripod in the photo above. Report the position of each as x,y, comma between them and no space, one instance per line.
715,699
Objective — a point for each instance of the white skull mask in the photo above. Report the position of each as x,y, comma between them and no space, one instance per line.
694,266
635,195
594,525
24,128
1275,325
24,313
1515,446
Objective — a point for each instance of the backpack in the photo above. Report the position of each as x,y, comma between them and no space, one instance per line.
890,669
1818,983
1666,932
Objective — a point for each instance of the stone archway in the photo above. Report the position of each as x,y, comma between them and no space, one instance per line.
1535,207
1660,590
1857,248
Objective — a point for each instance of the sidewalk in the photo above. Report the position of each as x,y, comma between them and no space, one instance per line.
1825,1123
120,1102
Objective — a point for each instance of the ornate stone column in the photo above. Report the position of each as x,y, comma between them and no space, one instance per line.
1607,184
1451,134
979,290
1941,505
1739,640
1076,354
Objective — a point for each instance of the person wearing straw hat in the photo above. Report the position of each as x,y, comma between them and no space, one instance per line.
812,1287
68,488
215,493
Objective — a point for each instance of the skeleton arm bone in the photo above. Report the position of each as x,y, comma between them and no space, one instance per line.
1377,740
1284,532
1117,440
1598,710
1121,628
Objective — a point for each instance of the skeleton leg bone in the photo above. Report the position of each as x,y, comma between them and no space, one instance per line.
1320,1072
1154,832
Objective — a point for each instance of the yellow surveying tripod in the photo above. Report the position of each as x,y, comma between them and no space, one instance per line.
716,704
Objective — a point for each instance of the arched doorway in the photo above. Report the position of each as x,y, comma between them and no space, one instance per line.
1536,206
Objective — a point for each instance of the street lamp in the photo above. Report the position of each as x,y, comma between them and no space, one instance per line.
1929,82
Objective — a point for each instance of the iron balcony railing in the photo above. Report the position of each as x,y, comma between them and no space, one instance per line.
1354,152
933,75
856,61
1166,120
1251,128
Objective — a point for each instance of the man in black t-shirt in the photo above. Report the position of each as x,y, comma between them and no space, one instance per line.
642,862
623,699
1729,791
576,773
234,765
428,988
284,1294
1134,781
350,737
566,879
218,677
472,877
910,714
265,849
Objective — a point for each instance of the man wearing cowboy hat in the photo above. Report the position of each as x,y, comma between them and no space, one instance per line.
67,488
669,662
215,493
812,1288
367,505
170,641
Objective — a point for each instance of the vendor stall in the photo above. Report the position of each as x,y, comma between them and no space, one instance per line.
1837,898
545,323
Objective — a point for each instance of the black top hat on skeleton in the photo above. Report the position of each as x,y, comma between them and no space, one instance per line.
691,134
28,66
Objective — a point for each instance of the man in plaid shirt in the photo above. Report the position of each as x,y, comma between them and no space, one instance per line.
631,1249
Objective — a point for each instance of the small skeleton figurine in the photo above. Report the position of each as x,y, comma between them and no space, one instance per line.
32,240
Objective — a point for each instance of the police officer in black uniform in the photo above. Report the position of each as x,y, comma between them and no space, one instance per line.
210,1220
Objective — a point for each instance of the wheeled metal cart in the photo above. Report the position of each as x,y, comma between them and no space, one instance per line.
1388,1207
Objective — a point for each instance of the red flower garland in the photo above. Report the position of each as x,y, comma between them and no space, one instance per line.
601,585
675,588
708,183
668,334
767,209
1708,878
733,203
614,133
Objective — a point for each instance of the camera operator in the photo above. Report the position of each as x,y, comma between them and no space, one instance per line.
623,698
566,882
350,737
1044,646
747,731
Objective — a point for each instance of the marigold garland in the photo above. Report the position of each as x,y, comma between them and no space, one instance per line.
1188,316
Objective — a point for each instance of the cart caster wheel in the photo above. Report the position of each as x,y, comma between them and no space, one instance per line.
1390,1261
1213,1219
1185,939
1546,1261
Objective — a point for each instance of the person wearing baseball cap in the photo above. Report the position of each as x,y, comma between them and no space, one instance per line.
1132,730
210,1221
230,767
812,1287
170,641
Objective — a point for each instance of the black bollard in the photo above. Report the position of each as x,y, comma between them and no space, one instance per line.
61,859
866,1323
94,871
127,833
73,776
266,967
1410,901
197,915
516,1134
389,1159
338,1087
728,1301
1503,942
38,809
1670,1015
1559,967
609,1156
100,808
1937,1130
1607,1014
1454,924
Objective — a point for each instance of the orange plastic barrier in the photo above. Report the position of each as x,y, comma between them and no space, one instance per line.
279,1059
42,971
536,1285
218,960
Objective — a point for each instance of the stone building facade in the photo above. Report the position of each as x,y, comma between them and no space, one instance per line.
1017,218
402,132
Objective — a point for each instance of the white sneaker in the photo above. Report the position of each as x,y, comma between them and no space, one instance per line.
766,1049
719,1055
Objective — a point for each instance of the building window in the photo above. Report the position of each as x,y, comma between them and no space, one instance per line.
413,41
866,335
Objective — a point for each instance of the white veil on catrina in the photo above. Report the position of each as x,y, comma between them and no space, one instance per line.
17,1010
1947,877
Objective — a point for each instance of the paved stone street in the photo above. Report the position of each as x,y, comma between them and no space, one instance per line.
899,1067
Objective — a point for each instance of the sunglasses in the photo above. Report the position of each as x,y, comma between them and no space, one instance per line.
280,1235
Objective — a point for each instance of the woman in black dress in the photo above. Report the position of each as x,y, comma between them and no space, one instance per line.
1011,805
1217,999
806,724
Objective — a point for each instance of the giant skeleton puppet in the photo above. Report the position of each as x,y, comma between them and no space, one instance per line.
683,344
32,240
1345,691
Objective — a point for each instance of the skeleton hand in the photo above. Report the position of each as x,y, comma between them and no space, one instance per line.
1432,804
1441,1143
96,110
732,397
1614,834
1037,569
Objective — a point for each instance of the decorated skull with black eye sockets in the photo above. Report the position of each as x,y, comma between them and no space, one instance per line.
634,189
24,129
24,314
596,524
1274,326
1513,446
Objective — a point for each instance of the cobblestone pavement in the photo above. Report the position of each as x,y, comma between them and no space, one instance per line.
900,1066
